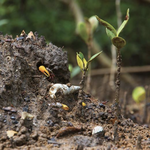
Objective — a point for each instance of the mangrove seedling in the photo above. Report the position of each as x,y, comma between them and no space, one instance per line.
119,43
85,30
84,64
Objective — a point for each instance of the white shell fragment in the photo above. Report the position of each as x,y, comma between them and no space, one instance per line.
97,129
30,35
60,105
64,88
11,133
26,115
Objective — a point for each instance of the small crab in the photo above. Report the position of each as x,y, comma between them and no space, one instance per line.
47,72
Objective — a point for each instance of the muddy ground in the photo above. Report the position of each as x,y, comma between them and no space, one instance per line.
25,90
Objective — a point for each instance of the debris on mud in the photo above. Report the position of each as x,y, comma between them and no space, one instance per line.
36,114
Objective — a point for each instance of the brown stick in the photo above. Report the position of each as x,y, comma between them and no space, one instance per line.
116,136
144,119
125,105
82,83
123,70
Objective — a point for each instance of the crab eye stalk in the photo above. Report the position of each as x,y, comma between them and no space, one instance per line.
44,70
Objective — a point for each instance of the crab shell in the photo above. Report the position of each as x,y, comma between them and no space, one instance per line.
64,88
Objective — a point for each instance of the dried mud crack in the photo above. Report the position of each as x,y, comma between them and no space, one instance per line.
23,88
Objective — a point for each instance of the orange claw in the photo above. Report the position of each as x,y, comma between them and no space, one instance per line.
44,70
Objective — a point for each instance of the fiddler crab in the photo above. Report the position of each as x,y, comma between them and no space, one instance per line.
47,72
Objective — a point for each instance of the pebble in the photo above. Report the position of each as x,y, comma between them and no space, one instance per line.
15,122
50,123
27,99
97,129
26,108
11,109
20,38
13,117
102,105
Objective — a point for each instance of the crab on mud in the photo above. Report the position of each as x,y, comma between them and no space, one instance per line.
47,72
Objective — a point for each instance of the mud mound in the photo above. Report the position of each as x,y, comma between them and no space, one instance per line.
19,62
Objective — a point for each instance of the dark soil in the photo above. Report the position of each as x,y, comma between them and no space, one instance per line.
24,88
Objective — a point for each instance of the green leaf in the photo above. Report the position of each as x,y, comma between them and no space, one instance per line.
118,42
79,61
75,71
84,64
107,25
110,34
81,56
82,31
94,56
124,23
70,67
3,22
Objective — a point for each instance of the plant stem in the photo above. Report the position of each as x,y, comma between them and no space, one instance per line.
83,80
113,67
125,105
116,136
89,45
145,105
82,85
119,60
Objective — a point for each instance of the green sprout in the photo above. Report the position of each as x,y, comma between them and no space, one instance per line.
86,30
119,43
84,64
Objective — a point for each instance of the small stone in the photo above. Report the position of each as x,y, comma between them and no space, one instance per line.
98,130
13,117
50,123
15,122
27,99
102,105
70,124
13,110
7,108
26,108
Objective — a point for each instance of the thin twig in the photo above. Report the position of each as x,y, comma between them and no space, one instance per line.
116,136
145,105
82,83
133,69
125,105
138,144
89,44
